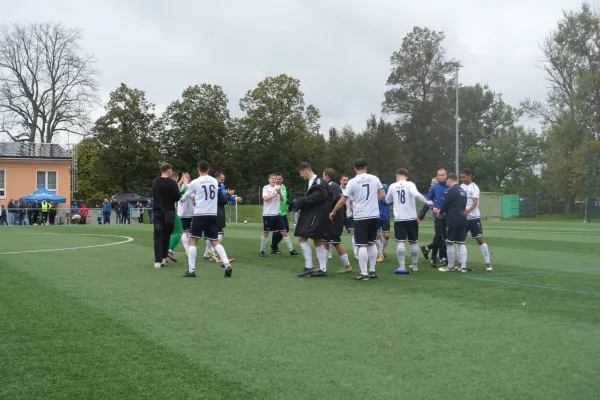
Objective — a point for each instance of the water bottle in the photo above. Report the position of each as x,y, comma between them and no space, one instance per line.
401,271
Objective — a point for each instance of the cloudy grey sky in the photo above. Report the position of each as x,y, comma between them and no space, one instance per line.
339,50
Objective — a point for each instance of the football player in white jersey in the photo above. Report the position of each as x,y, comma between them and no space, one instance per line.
204,222
272,221
365,191
473,216
402,195
349,219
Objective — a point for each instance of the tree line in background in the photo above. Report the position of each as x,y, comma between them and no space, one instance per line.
47,86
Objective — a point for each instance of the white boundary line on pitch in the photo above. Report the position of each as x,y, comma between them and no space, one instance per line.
129,239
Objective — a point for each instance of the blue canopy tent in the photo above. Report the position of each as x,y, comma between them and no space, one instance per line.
43,194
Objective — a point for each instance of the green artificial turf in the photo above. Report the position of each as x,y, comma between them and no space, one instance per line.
101,323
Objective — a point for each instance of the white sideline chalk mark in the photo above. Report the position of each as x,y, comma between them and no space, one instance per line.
129,239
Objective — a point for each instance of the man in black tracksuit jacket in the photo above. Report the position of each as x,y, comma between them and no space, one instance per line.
337,224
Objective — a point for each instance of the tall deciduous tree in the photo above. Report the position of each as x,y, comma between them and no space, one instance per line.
570,112
419,86
278,130
47,85
129,152
194,128
381,145
504,157
342,150
93,184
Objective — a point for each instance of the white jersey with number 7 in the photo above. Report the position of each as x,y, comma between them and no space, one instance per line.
363,190
403,195
204,188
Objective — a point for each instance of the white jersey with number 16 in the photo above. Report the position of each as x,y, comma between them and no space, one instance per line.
403,195
363,190
204,189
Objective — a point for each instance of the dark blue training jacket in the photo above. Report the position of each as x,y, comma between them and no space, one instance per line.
437,193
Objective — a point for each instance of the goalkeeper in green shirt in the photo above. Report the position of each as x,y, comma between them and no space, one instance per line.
182,220
277,237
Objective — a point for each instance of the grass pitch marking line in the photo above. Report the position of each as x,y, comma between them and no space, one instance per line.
128,239
546,272
532,285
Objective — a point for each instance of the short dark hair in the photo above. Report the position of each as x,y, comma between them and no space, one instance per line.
344,176
304,166
218,174
164,167
360,163
467,171
278,173
451,176
203,166
402,171
330,172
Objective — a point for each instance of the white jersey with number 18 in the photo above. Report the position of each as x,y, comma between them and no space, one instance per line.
363,190
204,188
403,195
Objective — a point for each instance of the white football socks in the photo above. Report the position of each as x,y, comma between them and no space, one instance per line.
384,243
363,260
322,257
462,255
192,259
307,253
263,243
208,248
288,243
354,247
485,252
345,261
414,252
401,252
451,254
378,246
222,254
372,251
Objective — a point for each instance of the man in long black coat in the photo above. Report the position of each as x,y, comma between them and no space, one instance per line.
314,221
337,224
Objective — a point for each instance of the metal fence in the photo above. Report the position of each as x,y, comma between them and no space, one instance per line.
64,216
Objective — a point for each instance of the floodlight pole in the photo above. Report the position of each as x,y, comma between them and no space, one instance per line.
589,183
457,65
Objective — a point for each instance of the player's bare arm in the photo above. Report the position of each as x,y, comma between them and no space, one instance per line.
474,206
338,206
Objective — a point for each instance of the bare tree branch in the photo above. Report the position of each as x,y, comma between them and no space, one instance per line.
47,84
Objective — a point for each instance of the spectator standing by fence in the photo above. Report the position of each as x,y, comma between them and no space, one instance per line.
150,210
106,209
3,216
12,215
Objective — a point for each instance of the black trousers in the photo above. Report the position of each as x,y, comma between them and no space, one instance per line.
277,236
439,243
162,236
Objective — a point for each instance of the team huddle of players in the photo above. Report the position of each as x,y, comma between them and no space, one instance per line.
361,206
